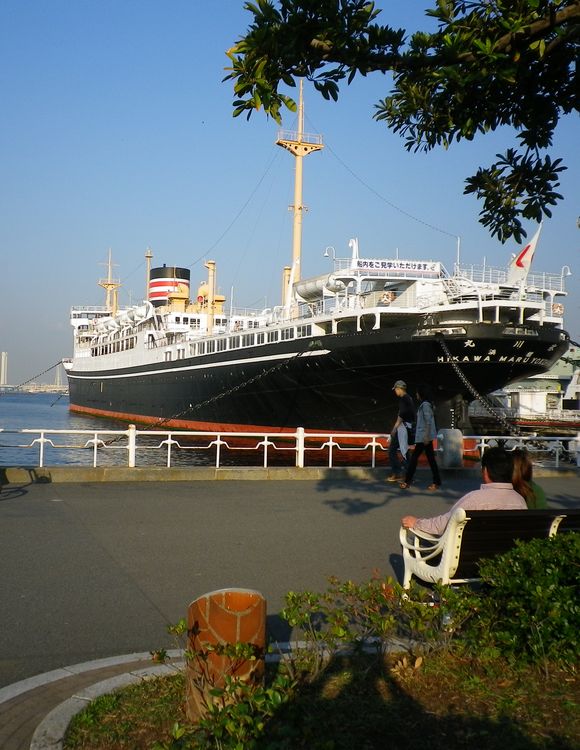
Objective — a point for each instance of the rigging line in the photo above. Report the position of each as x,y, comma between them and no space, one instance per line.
243,252
382,197
239,213
388,202
137,268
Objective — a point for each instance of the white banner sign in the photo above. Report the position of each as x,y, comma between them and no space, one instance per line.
421,267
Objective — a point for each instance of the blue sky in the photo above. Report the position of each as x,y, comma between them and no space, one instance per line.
116,132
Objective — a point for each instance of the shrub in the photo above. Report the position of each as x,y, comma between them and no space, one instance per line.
530,606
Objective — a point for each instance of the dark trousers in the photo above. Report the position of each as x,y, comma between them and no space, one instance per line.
430,453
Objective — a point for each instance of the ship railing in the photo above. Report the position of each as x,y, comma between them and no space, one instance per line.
550,415
246,312
483,274
90,308
133,448
295,137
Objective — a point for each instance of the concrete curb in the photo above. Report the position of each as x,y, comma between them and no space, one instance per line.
58,474
76,474
50,733
24,686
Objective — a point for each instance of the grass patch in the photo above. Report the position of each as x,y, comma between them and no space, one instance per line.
133,717
444,701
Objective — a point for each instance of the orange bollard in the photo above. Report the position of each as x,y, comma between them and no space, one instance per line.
214,620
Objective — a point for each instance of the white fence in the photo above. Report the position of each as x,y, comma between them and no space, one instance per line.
133,447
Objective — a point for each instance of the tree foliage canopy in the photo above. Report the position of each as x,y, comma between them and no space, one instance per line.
489,63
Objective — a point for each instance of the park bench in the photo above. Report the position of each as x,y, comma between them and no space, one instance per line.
473,535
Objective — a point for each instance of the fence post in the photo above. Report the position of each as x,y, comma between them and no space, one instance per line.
131,447
41,454
300,447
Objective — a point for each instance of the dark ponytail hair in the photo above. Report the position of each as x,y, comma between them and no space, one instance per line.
522,476
424,392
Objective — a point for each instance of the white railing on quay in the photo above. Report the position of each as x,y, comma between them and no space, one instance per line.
132,447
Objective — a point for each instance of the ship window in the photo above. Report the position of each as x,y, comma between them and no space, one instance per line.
520,331
259,338
234,342
248,339
168,356
287,333
181,354
272,336
201,347
302,331
222,345
210,347
177,319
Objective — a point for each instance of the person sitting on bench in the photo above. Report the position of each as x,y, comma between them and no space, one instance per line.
496,493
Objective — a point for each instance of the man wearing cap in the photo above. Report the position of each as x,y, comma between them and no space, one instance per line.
399,442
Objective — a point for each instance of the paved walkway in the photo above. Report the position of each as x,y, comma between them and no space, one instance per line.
97,569
26,706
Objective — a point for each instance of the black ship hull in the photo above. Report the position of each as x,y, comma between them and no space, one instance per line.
335,383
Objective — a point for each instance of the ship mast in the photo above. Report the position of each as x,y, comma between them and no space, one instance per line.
300,144
148,257
111,287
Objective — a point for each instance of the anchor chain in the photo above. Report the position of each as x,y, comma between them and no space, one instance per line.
219,396
485,402
233,389
38,375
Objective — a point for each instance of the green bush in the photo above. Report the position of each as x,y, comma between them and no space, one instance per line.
530,606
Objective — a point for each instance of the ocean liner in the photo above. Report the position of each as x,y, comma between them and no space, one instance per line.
325,359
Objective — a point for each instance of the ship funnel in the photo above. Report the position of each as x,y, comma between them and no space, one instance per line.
521,263
168,283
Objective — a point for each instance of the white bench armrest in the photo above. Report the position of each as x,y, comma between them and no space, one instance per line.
419,548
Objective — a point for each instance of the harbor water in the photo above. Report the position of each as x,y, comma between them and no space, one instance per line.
50,411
